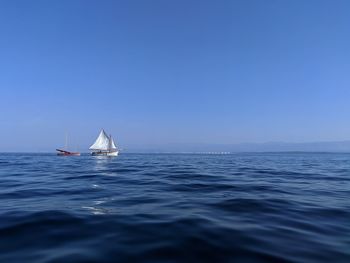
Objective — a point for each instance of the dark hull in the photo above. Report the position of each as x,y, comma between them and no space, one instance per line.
66,153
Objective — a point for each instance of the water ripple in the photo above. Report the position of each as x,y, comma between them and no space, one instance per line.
175,208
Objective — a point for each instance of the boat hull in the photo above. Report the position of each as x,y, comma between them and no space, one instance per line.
66,153
105,153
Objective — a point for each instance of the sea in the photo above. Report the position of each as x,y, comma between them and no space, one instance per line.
244,207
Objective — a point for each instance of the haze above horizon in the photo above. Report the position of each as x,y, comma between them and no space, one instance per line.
173,72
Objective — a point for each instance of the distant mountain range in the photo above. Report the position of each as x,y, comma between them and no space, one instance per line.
338,146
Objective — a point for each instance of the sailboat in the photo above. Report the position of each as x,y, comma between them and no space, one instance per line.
104,145
65,152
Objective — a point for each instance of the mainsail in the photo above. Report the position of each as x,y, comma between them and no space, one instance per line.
102,142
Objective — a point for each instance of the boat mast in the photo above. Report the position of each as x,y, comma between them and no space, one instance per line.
66,143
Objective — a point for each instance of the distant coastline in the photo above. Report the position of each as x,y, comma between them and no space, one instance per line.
335,146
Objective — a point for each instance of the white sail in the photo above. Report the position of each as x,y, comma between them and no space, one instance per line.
101,143
112,144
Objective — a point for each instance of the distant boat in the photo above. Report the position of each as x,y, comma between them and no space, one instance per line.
104,145
65,152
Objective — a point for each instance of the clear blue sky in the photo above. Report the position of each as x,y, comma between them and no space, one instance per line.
159,72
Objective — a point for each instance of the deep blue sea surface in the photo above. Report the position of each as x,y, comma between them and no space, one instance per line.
264,207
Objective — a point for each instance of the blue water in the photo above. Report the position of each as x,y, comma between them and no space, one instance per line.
267,207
